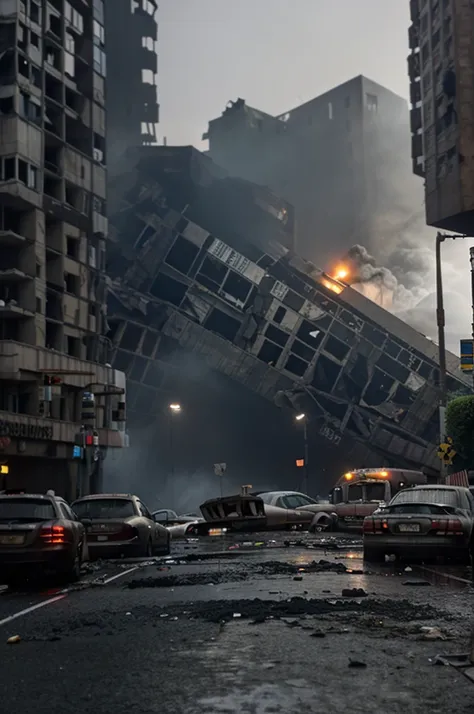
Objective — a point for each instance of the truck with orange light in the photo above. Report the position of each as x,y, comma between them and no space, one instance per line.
359,493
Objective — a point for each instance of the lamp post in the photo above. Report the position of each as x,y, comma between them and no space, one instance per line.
174,408
302,417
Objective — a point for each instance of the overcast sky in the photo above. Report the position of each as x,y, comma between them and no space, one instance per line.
275,54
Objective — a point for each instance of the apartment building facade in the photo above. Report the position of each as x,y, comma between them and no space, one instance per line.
441,72
132,92
53,230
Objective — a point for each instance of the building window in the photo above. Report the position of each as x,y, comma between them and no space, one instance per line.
29,107
35,12
99,34
69,65
330,110
99,61
372,103
99,11
8,169
70,43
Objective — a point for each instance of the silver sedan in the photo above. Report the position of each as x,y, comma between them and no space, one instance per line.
422,523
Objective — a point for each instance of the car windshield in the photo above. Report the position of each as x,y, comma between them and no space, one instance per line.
26,510
440,496
104,508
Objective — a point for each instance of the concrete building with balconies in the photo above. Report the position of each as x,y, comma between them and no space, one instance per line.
441,71
52,235
132,102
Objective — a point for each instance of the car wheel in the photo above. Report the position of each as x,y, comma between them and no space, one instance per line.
73,572
166,549
373,555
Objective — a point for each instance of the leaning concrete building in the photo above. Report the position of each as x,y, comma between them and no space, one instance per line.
52,243
192,281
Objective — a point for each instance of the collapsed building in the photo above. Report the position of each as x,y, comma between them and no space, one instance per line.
199,265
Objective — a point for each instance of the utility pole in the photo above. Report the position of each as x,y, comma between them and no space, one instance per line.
471,257
440,321
306,455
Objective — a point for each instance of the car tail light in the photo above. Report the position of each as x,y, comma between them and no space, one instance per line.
454,527
53,535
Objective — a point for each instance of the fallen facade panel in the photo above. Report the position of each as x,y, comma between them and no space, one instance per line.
190,278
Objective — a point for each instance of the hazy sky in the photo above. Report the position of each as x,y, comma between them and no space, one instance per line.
275,54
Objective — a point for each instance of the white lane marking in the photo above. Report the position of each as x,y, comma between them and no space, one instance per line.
64,594
121,575
448,576
27,610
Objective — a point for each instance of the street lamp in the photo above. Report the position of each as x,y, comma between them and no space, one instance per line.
174,408
302,417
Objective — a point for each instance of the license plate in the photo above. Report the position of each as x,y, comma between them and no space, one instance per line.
102,538
409,528
12,539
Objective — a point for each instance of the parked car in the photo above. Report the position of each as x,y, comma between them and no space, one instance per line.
120,525
422,522
39,534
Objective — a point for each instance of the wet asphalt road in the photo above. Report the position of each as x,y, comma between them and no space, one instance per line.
256,629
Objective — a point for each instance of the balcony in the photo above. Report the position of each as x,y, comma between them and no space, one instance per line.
13,276
10,239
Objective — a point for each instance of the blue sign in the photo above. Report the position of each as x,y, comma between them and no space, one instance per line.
77,452
467,355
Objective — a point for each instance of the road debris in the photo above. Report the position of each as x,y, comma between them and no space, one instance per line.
416,582
354,592
357,664
14,640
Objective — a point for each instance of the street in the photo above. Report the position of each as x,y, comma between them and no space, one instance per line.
243,624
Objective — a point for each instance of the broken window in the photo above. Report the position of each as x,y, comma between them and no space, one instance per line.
310,334
374,335
379,388
306,353
69,65
35,12
336,348
131,337
30,107
149,343
72,284
276,335
168,289
293,300
214,269
222,324
182,255
73,346
138,368
236,287
424,370
343,333
122,361
269,353
53,56
6,105
73,247
295,365
7,67
326,374
279,315
393,368
9,169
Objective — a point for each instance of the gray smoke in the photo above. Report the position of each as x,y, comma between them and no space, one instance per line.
406,288
379,283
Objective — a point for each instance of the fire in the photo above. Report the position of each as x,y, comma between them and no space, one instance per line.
332,286
341,273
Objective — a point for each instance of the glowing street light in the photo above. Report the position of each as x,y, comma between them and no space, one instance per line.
175,407
302,417
299,417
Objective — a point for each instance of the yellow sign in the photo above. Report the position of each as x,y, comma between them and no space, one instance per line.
4,469
446,452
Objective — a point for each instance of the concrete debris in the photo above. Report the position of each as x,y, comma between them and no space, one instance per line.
354,592
416,583
357,664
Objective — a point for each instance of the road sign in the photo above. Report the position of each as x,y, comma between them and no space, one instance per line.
446,452
467,355
220,469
